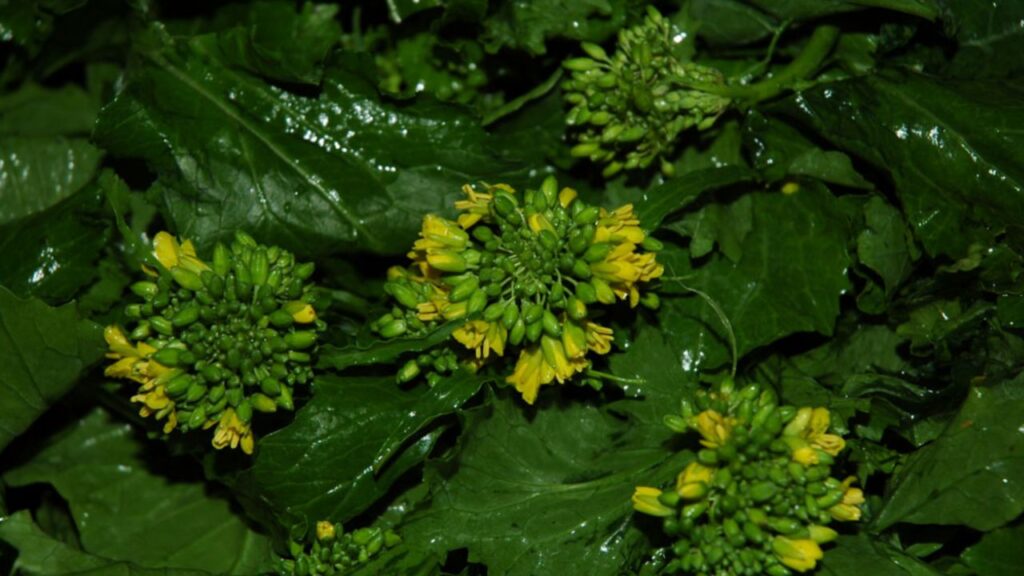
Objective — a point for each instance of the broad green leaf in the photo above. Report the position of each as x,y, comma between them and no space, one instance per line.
127,509
316,175
860,555
347,447
529,25
999,552
986,36
43,351
807,9
779,150
731,22
885,245
789,279
36,111
275,40
973,474
954,159
542,491
39,553
52,254
38,172
677,193
724,225
382,350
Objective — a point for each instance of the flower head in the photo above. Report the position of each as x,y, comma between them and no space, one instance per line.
522,273
628,109
213,341
744,496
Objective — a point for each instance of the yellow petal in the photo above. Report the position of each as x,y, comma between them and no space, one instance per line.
645,500
166,249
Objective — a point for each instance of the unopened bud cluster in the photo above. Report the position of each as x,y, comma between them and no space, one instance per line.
210,344
529,272
629,108
335,552
760,496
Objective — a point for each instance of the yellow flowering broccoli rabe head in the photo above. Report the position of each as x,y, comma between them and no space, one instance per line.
213,342
760,489
525,275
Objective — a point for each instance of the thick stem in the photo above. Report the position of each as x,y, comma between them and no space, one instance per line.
814,53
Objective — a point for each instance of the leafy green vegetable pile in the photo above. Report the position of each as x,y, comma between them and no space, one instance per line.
573,287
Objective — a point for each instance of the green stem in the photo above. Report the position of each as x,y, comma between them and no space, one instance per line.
814,53
614,378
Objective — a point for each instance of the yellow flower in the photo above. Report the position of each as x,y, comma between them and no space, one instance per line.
811,424
805,455
530,373
539,365
538,222
171,254
324,530
476,205
566,196
482,337
435,305
714,428
848,509
301,312
693,482
800,555
440,234
645,500
623,268
574,339
155,401
554,354
619,225
599,338
231,431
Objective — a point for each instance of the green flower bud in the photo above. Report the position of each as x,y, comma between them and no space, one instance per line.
262,403
304,339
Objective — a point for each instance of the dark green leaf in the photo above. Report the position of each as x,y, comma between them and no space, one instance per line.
858,556
382,350
831,166
36,111
324,464
278,42
52,254
40,554
677,193
985,36
998,554
886,245
956,165
731,22
340,172
789,279
43,351
529,25
973,474
542,492
807,9
38,172
127,510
